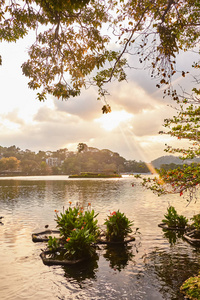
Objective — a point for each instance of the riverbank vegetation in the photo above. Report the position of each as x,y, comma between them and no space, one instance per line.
86,160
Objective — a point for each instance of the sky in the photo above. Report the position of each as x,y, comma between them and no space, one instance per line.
131,129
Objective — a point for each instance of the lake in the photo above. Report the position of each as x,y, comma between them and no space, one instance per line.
153,267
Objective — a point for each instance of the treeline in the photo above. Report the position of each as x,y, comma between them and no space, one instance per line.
14,161
173,166
170,166
102,161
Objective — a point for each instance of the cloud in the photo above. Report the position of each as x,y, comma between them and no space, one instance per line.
53,129
131,97
150,122
65,124
13,117
86,106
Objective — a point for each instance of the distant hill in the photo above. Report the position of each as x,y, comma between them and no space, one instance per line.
168,159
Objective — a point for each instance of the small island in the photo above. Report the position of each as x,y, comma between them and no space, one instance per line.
95,175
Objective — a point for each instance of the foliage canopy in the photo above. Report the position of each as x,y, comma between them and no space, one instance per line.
73,44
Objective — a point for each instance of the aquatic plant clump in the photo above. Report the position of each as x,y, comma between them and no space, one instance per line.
191,288
76,217
53,244
196,221
118,226
172,219
78,232
80,243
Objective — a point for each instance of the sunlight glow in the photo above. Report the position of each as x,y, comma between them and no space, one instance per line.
112,120
141,150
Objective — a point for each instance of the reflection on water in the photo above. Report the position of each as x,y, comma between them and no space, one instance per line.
119,256
172,268
152,267
172,236
85,270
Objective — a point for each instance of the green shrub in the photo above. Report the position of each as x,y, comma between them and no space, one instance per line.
172,219
182,221
89,222
80,244
118,226
78,231
76,218
53,244
196,221
191,287
67,221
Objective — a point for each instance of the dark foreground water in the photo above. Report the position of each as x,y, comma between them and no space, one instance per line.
151,268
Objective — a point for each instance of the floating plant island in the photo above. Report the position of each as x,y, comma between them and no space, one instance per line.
174,221
44,235
51,258
79,235
95,175
193,237
176,228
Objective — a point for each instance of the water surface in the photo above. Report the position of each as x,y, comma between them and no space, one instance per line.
151,268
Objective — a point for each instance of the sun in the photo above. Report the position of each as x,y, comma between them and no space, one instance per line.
112,120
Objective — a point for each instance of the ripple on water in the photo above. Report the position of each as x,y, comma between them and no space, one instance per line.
158,264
